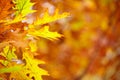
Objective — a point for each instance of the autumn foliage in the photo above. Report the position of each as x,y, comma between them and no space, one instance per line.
59,40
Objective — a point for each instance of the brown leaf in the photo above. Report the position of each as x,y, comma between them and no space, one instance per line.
5,8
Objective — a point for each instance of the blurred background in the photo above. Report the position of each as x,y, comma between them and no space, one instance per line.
90,48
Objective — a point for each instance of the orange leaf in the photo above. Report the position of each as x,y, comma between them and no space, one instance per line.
5,8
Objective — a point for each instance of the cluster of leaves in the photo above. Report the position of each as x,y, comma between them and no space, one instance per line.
17,34
90,50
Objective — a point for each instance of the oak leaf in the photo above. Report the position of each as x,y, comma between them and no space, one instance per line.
30,70
44,33
8,54
23,7
50,18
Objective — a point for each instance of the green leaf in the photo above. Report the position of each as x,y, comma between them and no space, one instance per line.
4,62
9,54
10,69
23,7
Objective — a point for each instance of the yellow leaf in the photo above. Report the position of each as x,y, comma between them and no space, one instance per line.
47,18
44,33
33,46
15,20
30,70
20,75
